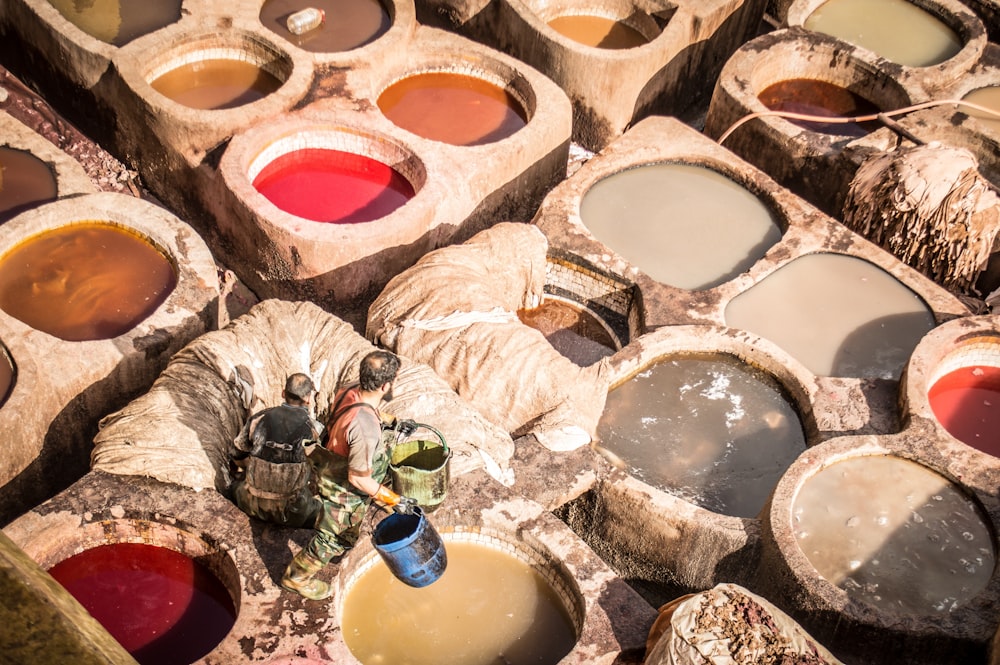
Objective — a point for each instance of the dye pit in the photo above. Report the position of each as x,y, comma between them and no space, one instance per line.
709,479
85,281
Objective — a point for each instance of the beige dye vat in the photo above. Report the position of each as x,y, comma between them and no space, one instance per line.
897,30
488,607
705,427
838,315
988,97
25,182
84,281
667,220
894,534
216,83
118,22
571,330
598,31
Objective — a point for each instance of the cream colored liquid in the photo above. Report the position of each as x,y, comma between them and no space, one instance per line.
488,608
709,429
668,220
988,97
894,534
897,30
838,315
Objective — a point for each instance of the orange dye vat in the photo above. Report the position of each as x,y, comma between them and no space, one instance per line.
84,281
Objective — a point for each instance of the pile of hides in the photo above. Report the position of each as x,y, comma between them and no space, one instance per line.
929,206
181,431
456,311
728,625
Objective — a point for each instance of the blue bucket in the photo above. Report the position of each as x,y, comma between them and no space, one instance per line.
411,547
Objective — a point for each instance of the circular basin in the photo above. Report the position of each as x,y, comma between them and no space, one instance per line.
162,606
705,427
349,24
453,108
25,182
84,281
118,22
667,219
894,534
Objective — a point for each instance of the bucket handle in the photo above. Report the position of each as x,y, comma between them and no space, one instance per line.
444,443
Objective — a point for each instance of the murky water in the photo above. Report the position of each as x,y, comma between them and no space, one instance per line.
349,24
667,220
214,84
118,22
598,31
488,608
838,315
707,428
894,534
25,182
819,98
84,281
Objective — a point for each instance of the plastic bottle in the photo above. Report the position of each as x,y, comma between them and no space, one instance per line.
305,20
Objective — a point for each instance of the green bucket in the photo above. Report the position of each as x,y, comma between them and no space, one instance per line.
419,469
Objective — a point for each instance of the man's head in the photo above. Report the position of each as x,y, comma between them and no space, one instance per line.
298,388
377,369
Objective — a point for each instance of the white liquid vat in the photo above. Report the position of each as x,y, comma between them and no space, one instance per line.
668,219
897,30
894,534
838,315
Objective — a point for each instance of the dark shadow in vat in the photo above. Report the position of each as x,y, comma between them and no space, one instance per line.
881,348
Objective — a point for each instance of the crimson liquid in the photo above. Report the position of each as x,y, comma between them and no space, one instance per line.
163,607
967,403
333,186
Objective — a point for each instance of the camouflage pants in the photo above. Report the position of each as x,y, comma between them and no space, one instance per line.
344,507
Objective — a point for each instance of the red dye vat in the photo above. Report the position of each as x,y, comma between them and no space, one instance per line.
967,403
163,607
333,186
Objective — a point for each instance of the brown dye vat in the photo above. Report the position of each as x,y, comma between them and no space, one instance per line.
487,607
118,22
708,428
571,330
452,108
6,375
220,83
349,24
598,31
25,182
814,97
84,281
